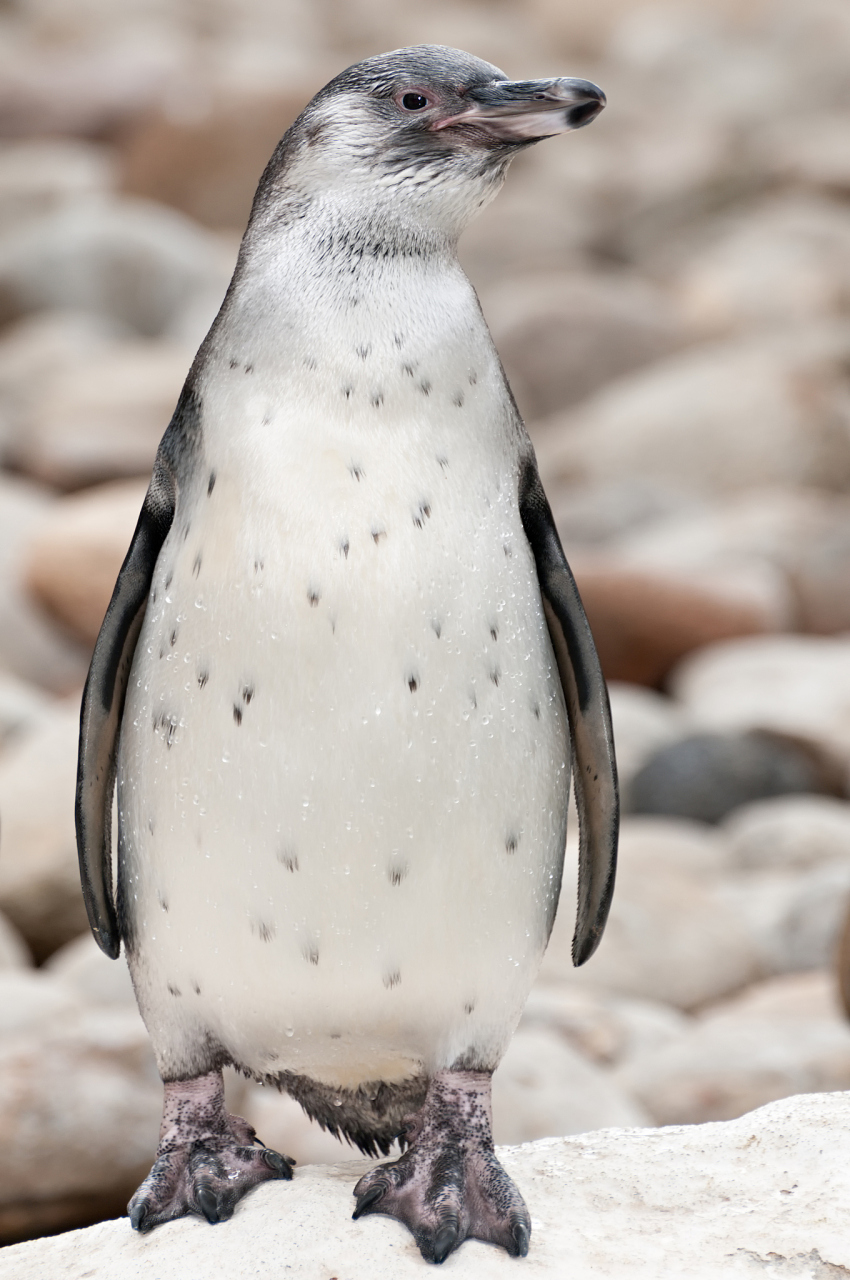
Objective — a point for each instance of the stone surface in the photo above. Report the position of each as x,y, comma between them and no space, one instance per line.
72,561
743,1054
131,260
793,918
22,707
795,684
645,619
80,1104
754,411
672,936
39,874
603,1027
561,337
97,980
789,832
102,419
14,953
32,1000
42,174
766,1194
705,776
30,647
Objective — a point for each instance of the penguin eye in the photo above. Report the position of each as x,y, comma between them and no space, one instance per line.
414,102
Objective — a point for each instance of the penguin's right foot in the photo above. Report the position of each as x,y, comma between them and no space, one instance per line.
206,1160
448,1186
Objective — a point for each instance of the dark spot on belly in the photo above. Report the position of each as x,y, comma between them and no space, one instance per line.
398,339
355,471
249,368
397,871
377,399
151,825
511,842
196,567
437,627
495,676
412,681
457,399
310,362
174,635
310,952
494,631
211,483
364,350
408,369
162,653
469,1007
167,725
314,596
265,932
203,677
344,548
508,550
153,596
425,387
334,1035
377,534
421,514
247,692
288,858
535,711
196,988
186,529
473,378
347,391
444,463
175,991
259,565
391,979
234,363
237,713
168,578
473,699
163,902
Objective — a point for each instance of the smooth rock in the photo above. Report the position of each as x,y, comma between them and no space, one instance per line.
22,707
788,832
644,620
705,776
80,1104
787,256
72,561
603,1027
104,418
131,260
764,1194
32,1000
39,872
672,936
744,1054
30,647
798,685
810,152
83,968
42,174
562,336
756,411
793,918
644,721
593,515
14,952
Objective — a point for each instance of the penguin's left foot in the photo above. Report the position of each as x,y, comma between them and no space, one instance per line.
206,1159
448,1186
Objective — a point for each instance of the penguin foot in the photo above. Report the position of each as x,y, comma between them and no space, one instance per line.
448,1186
206,1160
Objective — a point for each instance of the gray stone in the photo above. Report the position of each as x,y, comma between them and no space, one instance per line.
84,969
40,175
644,722
794,918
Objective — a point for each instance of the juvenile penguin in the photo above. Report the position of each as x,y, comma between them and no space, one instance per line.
342,674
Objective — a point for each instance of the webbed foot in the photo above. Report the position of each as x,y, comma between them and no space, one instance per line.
206,1160
448,1186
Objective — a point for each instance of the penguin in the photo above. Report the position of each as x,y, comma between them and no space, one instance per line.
345,675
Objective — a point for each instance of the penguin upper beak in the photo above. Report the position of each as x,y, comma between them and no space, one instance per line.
522,110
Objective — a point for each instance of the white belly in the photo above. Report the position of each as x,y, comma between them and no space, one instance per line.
344,762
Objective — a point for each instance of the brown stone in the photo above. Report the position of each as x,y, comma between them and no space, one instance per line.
72,561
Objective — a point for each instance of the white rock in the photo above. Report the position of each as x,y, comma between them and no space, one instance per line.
603,1027
758,411
793,918
767,1193
102,419
83,968
788,832
744,1054
39,873
796,684
31,1000
132,260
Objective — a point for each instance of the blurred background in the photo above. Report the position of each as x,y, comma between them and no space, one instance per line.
670,293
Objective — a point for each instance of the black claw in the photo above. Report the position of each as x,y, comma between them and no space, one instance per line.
445,1241
138,1215
368,1200
208,1203
282,1165
521,1236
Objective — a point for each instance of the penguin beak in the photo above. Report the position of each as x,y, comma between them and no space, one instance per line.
525,110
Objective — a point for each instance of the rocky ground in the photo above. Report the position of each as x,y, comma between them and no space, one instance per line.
670,291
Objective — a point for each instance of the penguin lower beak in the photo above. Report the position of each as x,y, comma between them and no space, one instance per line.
525,110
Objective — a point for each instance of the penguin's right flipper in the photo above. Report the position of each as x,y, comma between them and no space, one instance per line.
103,703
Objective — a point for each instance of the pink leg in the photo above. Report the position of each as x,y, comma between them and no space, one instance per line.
206,1159
448,1186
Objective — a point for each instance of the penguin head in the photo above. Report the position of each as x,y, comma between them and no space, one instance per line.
424,134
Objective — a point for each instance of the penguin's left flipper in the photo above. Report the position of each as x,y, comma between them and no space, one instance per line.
588,710
103,703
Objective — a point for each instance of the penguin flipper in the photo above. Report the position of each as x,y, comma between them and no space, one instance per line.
585,693
103,705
